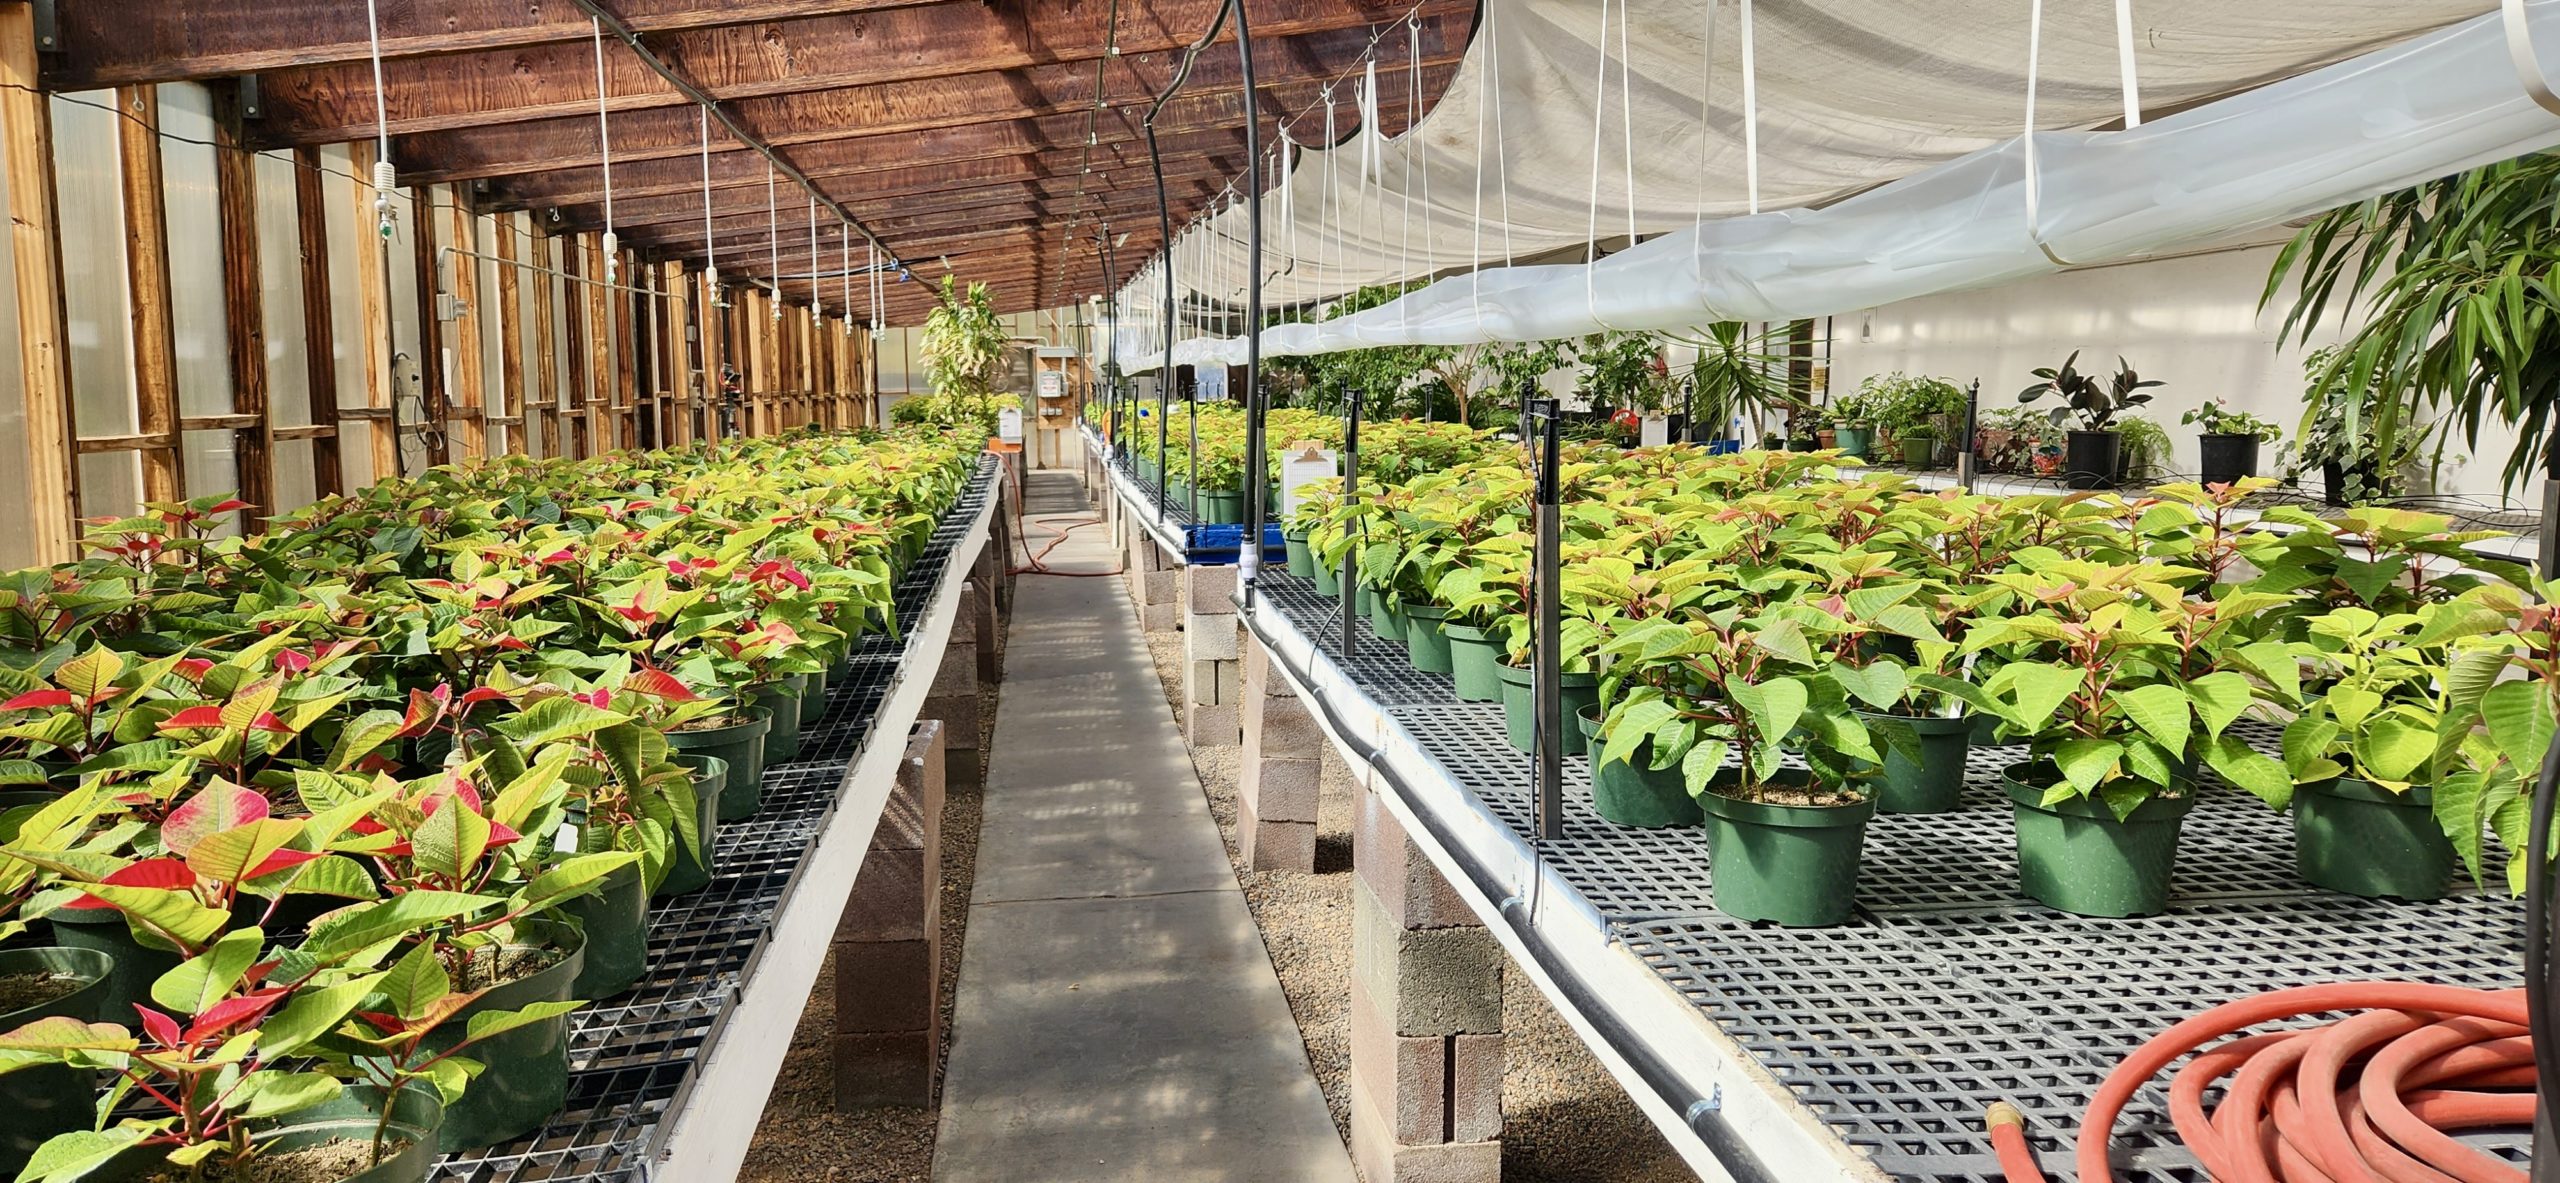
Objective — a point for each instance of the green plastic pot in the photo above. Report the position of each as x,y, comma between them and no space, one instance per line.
1221,507
1986,731
1475,660
1520,706
1923,761
1386,614
615,919
740,746
1328,578
526,1074
1633,792
354,1115
1853,440
813,698
1367,604
1302,561
1793,865
37,1103
2355,836
689,871
103,930
780,699
1919,449
2076,856
1426,637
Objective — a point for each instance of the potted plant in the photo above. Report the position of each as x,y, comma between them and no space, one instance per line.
2227,441
41,1100
1785,841
2093,453
1853,418
2121,684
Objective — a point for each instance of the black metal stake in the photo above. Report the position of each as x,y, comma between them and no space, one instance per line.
1965,460
1256,406
1164,226
1350,498
1547,613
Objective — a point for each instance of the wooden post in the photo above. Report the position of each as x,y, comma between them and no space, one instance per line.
511,343
546,385
319,325
439,414
626,358
714,332
244,310
26,123
146,258
680,353
373,287
758,323
574,399
470,371
600,351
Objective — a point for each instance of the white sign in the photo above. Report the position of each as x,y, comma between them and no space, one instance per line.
1305,464
1009,425
1053,384
1210,384
1655,431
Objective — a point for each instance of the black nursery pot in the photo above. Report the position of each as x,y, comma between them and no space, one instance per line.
39,1102
2091,459
2227,457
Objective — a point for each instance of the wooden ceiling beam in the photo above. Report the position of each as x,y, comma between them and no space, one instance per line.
742,209
904,44
107,44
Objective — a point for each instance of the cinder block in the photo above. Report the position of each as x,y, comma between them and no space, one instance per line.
1160,587
1277,846
917,787
1156,618
1214,682
1207,591
1396,872
1209,638
1427,981
886,986
1287,726
1400,1080
958,673
882,1069
1259,678
964,619
1212,725
1475,1088
1280,789
896,897
1381,1159
959,718
990,638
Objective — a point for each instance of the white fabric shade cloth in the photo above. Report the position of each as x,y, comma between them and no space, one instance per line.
1890,159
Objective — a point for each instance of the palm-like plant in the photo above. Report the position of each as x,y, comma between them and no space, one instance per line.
2453,281
1736,374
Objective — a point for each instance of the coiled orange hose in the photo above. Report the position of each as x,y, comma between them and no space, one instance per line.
2370,1098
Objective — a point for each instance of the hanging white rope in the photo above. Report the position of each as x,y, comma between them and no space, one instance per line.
2030,184
844,242
817,304
385,177
2124,64
710,243
1706,105
1751,108
1421,145
2526,59
773,237
604,149
1599,121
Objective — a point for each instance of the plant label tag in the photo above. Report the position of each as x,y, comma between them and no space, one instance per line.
1009,425
1304,465
1655,432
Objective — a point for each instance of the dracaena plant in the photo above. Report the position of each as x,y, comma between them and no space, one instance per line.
2122,683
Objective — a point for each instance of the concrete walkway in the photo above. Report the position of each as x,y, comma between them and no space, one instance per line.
1118,1018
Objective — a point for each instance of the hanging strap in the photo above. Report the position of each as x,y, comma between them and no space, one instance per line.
2528,60
1751,108
2124,64
2035,51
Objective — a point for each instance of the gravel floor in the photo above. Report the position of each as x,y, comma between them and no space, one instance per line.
1564,1119
802,1139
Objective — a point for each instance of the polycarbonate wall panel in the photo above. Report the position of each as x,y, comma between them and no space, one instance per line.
493,329
280,281
97,305
194,211
406,371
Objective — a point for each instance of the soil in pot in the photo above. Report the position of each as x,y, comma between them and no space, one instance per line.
689,870
739,743
1790,858
1426,637
1302,560
1386,614
527,1074
1923,761
2226,457
2078,857
1520,706
332,1142
1474,660
615,918
781,701
136,965
2090,459
2360,838
37,1103
1632,792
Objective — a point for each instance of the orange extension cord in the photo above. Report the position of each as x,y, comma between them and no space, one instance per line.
2371,1098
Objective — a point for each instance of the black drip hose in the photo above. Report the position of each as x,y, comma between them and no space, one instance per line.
2537,970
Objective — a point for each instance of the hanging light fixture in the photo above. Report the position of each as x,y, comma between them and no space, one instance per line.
604,144
385,178
710,245
817,305
844,239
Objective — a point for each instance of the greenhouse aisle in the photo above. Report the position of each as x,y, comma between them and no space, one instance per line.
1117,1016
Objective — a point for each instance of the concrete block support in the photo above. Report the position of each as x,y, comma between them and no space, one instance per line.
1278,777
1426,1020
953,699
1212,675
888,947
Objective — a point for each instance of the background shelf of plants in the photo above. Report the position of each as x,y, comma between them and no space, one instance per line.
414,734
2291,655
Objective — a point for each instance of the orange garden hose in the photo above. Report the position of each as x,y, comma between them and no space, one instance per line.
2371,1098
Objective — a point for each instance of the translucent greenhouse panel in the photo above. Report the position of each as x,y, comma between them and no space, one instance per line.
17,545
406,374
213,466
294,486
110,484
347,343
280,279
89,192
195,265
